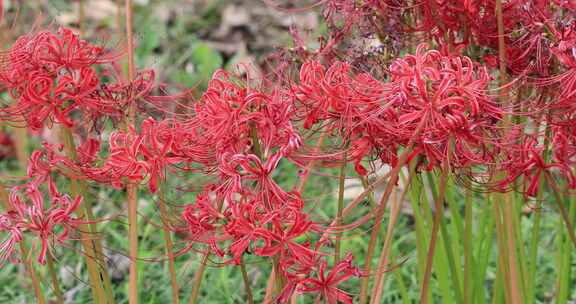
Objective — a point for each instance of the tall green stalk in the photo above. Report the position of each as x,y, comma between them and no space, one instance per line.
340,207
131,188
166,226
99,279
378,288
469,263
381,208
198,278
54,279
564,260
439,209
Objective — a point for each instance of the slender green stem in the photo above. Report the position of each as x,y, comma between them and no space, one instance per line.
533,254
131,189
450,241
94,257
248,288
517,203
537,218
438,204
381,208
564,259
311,164
468,255
378,288
54,279
502,283
562,208
498,292
401,285
133,241
340,206
484,248
512,271
514,279
81,17
33,277
198,278
21,145
166,226
421,227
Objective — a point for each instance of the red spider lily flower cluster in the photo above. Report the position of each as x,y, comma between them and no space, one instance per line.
246,211
30,214
353,105
50,75
527,159
446,95
448,92
136,156
239,135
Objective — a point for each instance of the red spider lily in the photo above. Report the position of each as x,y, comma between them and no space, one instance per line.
88,151
526,159
201,220
256,217
124,160
32,215
49,74
112,99
353,104
447,95
243,220
9,225
44,162
564,106
326,284
226,114
250,167
335,96
137,156
6,145
282,241
157,151
564,145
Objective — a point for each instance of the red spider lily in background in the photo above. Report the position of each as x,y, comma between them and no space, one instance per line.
12,229
447,94
526,159
326,283
50,75
31,214
6,145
